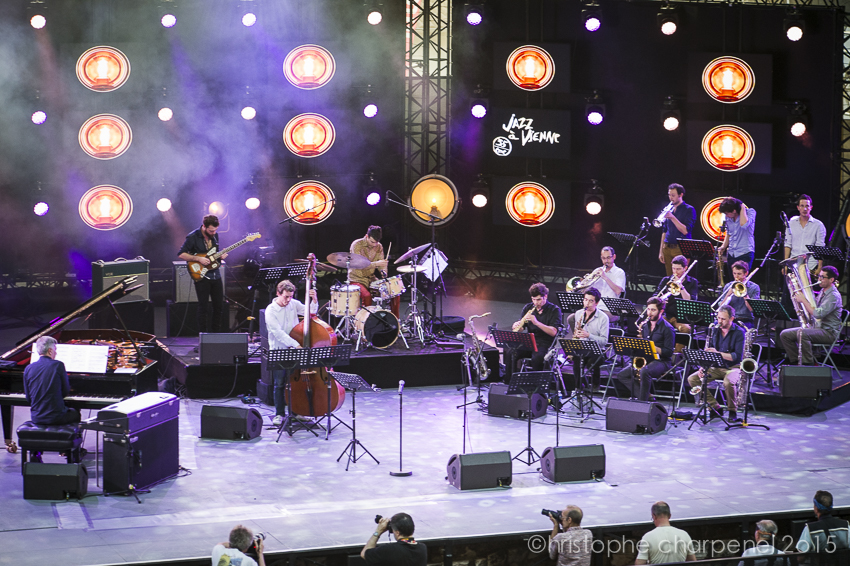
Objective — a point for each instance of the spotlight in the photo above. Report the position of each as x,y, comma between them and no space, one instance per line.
249,113
252,203
370,110
798,121
38,21
163,205
794,26
480,192
38,117
668,20
671,116
372,191
249,19
435,195
474,13
479,105
595,109
218,208
373,198
594,200
165,114
40,209
168,20
591,15
374,15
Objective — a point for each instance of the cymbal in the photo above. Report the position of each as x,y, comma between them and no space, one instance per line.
410,268
413,252
345,259
319,265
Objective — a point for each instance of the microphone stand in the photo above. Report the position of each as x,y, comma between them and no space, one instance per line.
312,208
400,472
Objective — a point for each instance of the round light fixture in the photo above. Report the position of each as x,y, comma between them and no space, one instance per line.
530,67
311,201
309,66
728,148
434,195
105,207
103,69
105,136
309,135
530,204
728,79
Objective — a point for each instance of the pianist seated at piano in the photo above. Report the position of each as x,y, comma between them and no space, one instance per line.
46,386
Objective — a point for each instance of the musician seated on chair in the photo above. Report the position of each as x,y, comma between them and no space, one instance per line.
370,247
826,313
590,323
662,334
542,319
612,279
728,340
687,289
281,317
210,286
46,386
743,309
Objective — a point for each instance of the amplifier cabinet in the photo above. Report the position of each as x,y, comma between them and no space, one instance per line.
105,274
183,286
140,459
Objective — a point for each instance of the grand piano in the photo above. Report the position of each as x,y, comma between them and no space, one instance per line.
129,369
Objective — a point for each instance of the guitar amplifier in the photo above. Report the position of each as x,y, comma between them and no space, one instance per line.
183,285
105,274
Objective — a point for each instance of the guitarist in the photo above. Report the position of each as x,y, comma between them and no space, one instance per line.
195,248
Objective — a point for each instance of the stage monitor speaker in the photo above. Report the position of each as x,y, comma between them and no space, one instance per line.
223,349
805,381
183,286
484,470
105,274
627,415
55,481
230,423
516,406
142,458
573,463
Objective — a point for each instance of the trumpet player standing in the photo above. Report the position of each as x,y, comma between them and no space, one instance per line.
658,330
731,294
728,341
686,288
612,279
541,318
679,220
826,311
740,241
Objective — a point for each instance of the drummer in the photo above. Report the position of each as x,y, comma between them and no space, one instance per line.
370,247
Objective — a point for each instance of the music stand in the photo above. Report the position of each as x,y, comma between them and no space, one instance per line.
634,348
580,349
704,360
695,313
696,249
289,359
771,311
529,382
825,252
570,302
620,307
624,238
354,383
511,342
329,356
269,276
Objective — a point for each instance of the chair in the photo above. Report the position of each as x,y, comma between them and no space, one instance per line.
612,331
719,393
677,377
51,438
828,348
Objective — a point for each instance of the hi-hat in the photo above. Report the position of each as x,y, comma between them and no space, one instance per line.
346,259
410,268
413,252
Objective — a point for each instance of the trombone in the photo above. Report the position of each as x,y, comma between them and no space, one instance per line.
674,287
738,288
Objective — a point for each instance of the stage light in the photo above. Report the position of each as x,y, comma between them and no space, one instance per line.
591,15
798,121
249,19
480,192
311,201
373,198
479,104
728,79
671,116
595,109
40,208
309,66
38,117
165,114
105,207
38,21
163,205
249,113
370,110
668,20
252,203
530,204
594,200
794,25
728,148
218,208
478,108
105,136
168,20
309,135
103,69
371,190
530,67
435,195
374,15
474,13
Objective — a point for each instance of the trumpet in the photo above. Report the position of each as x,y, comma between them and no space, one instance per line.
660,220
517,326
575,284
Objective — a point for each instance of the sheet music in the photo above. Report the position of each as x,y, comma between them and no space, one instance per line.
80,358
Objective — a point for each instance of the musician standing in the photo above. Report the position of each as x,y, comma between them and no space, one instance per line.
803,230
827,310
678,224
728,341
370,247
542,319
281,317
210,286
612,279
740,241
741,305
662,334
591,324
688,288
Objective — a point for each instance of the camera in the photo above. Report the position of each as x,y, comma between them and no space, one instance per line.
252,550
550,513
389,525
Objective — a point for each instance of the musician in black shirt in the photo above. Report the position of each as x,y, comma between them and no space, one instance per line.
195,248
542,319
689,290
662,334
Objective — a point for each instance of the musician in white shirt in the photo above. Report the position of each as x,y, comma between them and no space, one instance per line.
612,279
590,324
804,230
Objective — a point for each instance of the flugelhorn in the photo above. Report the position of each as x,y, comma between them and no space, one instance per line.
580,283
660,220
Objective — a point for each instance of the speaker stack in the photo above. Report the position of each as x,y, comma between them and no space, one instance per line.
480,471
805,381
230,423
628,415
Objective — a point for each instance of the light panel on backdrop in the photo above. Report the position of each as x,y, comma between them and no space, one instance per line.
761,65
561,192
560,53
695,131
523,133
761,204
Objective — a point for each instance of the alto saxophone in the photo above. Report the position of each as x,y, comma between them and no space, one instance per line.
748,369
475,353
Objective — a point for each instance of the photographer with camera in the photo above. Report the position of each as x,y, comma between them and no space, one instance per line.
573,545
404,552
234,551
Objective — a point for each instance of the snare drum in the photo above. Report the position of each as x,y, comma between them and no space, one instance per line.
389,287
379,326
345,297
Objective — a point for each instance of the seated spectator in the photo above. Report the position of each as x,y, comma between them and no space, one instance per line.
665,543
571,547
765,539
828,533
403,552
232,552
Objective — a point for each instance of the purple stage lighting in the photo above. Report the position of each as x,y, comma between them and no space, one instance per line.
592,23
478,110
40,208
370,110
373,198
249,19
474,18
594,117
168,20
38,117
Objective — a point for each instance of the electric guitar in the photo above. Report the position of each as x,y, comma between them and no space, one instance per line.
198,271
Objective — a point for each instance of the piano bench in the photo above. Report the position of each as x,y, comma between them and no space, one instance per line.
51,438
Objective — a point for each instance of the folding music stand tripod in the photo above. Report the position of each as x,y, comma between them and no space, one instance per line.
581,349
289,359
511,342
697,249
269,276
329,356
354,383
633,240
620,307
825,252
705,360
529,383
570,302
635,348
771,311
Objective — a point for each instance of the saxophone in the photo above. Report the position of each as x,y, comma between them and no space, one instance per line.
518,325
696,389
748,369
476,353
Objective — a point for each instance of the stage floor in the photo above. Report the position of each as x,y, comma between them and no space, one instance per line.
302,498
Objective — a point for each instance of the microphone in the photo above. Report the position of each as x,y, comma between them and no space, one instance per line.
461,336
784,218
375,388
549,355
400,386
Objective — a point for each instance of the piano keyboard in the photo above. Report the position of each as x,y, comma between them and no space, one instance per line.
75,401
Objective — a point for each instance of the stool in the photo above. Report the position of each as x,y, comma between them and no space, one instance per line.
51,438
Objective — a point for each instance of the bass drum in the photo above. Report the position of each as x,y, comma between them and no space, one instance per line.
379,326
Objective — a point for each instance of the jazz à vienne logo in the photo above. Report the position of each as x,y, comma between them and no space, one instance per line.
522,129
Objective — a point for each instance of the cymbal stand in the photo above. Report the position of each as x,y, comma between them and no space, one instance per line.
413,320
345,321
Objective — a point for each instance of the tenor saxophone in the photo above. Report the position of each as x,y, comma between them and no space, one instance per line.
476,353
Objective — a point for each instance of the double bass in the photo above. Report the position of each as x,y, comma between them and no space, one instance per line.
311,388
